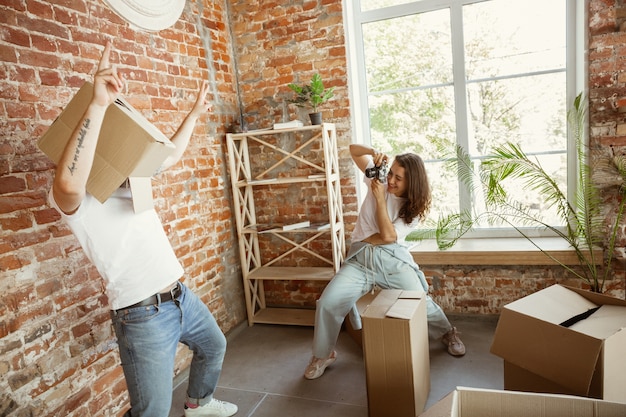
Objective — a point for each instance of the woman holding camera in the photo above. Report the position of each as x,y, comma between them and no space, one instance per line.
379,257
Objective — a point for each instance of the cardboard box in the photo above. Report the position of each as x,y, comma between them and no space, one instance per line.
473,402
395,348
542,355
128,146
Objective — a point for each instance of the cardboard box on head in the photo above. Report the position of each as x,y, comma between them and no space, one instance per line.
128,147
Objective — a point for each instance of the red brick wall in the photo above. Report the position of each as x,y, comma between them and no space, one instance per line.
484,289
58,355
607,81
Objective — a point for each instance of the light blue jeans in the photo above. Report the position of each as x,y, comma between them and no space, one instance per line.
386,266
148,338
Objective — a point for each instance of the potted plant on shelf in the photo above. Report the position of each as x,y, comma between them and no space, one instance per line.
312,95
585,225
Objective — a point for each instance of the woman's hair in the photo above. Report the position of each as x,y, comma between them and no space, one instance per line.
418,189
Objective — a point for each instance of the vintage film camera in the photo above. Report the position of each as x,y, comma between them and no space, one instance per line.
379,172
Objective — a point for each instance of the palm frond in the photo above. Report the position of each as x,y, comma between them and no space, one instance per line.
446,231
509,161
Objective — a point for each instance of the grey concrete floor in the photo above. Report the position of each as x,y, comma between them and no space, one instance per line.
263,369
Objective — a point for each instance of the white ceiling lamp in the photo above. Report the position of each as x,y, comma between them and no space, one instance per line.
152,15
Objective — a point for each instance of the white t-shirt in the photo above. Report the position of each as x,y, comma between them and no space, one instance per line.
366,224
131,251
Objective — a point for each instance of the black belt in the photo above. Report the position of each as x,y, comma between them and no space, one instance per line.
158,298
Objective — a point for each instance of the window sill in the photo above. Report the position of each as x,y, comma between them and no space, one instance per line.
498,251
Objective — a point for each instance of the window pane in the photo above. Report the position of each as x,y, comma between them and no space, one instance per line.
530,111
507,37
421,56
444,185
421,121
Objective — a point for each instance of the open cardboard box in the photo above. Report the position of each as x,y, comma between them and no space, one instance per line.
395,349
541,355
128,147
474,402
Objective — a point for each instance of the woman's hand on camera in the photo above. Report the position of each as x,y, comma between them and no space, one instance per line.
378,158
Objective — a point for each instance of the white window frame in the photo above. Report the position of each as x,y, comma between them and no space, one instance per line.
576,75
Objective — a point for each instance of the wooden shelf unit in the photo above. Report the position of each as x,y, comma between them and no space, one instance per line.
255,268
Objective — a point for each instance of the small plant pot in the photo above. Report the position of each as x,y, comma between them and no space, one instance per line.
316,118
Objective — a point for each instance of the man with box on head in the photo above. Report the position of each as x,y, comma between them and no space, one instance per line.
152,311
379,257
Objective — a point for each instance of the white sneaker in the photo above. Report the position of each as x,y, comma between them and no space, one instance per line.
215,408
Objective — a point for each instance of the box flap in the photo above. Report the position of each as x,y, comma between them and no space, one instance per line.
597,298
386,297
412,295
402,309
554,304
528,335
53,141
615,372
378,306
603,323
138,118
393,303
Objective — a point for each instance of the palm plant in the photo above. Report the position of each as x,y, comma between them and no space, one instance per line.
584,222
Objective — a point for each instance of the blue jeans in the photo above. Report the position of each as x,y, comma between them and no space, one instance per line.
386,266
148,337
